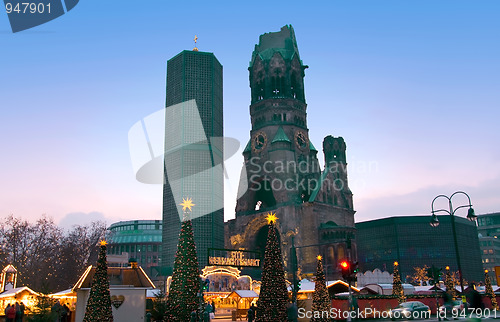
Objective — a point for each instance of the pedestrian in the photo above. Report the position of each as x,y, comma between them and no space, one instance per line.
22,308
207,313
11,314
475,299
447,305
251,313
292,312
212,310
64,313
18,313
476,303
6,310
194,317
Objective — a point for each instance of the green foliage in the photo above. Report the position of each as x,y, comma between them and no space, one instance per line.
273,293
489,290
99,302
182,297
419,276
41,312
159,306
397,287
321,299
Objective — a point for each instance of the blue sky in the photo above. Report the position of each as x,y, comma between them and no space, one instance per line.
412,86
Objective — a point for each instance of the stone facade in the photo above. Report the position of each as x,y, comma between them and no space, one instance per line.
282,171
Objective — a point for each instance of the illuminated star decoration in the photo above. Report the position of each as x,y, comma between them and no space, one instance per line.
103,243
319,257
271,218
187,203
396,264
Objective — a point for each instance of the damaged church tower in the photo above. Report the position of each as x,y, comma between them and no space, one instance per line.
314,205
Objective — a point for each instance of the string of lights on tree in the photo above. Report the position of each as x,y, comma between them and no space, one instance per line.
182,298
489,290
273,297
321,299
450,283
397,287
99,303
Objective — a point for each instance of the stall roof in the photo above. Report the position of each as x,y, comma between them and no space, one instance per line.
152,293
66,293
243,294
307,286
118,276
17,290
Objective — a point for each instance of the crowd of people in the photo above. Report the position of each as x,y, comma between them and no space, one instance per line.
15,312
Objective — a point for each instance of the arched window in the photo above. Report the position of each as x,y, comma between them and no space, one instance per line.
277,83
274,86
340,253
294,86
331,254
260,90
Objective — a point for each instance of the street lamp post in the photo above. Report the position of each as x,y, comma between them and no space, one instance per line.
435,222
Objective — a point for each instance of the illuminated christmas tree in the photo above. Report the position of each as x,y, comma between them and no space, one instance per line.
397,287
450,284
321,299
273,297
99,303
182,298
489,290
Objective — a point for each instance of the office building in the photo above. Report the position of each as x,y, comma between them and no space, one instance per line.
488,228
139,239
193,161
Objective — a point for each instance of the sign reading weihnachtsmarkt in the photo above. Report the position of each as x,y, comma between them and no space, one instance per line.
232,257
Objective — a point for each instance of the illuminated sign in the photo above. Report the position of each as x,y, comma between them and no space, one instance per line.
231,257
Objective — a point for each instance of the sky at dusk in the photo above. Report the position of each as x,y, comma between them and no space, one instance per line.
412,86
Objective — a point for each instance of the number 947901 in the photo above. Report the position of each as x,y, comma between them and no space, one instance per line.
27,8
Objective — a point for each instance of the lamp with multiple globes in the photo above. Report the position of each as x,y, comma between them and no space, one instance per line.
435,222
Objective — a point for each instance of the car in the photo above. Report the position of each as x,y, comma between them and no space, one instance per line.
410,310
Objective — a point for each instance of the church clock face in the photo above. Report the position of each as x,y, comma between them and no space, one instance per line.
259,141
301,140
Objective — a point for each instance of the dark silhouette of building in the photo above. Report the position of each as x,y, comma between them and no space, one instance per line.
412,242
193,77
314,206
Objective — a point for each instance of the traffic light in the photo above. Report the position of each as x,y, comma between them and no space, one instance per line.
297,285
434,274
355,268
205,285
345,265
349,270
354,271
